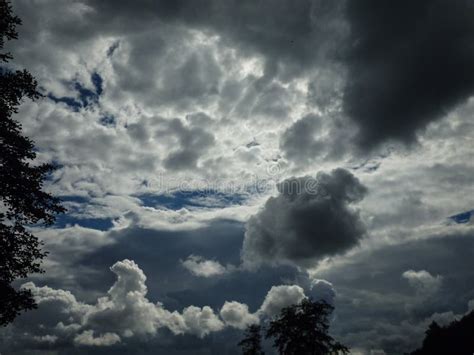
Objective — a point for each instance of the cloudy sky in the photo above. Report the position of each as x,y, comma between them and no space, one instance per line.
221,159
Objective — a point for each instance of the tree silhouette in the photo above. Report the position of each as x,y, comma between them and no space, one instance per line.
456,338
22,201
251,343
303,329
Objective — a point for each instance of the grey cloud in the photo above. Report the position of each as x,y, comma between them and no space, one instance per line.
192,141
300,141
199,119
322,289
166,67
409,63
50,339
316,138
310,219
325,89
273,102
376,308
196,77
185,141
139,132
293,32
409,208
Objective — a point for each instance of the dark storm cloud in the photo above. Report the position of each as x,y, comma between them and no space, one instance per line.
409,63
310,219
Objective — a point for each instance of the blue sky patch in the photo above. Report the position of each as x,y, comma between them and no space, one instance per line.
70,217
98,82
107,120
102,224
69,101
85,97
463,217
196,198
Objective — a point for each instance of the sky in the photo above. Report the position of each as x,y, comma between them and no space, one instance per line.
222,159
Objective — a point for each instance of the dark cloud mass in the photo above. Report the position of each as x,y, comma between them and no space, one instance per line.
409,63
310,219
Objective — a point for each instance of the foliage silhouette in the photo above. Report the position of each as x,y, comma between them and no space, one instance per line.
251,344
456,338
22,200
304,329
300,329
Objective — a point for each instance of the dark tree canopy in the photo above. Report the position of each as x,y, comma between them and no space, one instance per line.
304,329
22,199
8,23
251,344
456,338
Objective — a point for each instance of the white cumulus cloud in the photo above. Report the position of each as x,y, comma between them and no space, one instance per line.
125,312
237,315
199,266
423,282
